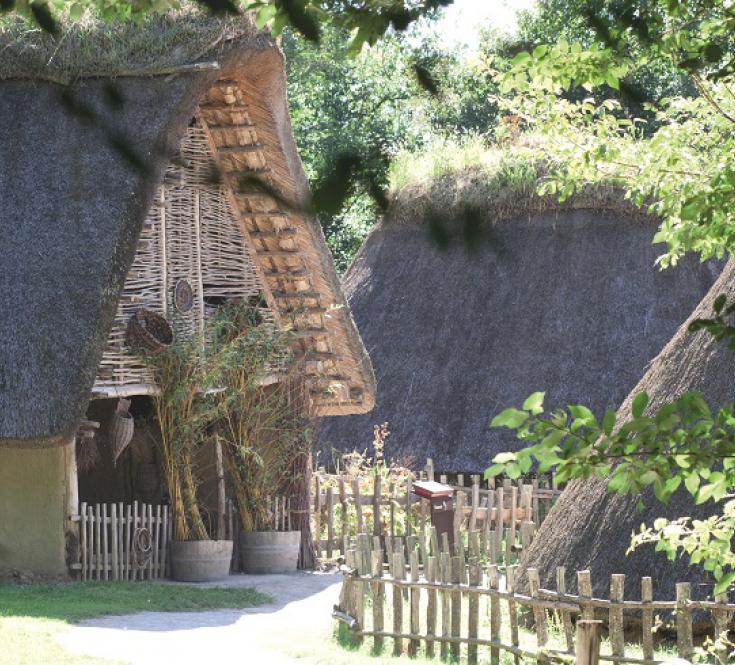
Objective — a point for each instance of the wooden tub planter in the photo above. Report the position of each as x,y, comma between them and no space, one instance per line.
264,552
200,560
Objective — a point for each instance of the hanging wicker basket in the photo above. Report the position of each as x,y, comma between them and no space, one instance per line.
122,426
149,330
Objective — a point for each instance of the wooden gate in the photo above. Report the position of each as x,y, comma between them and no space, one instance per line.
122,541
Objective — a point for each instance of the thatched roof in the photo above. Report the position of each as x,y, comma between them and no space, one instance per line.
563,299
73,208
589,528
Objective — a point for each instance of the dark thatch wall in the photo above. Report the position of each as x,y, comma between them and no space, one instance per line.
589,528
71,213
569,302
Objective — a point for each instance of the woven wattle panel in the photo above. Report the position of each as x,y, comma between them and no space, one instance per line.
190,233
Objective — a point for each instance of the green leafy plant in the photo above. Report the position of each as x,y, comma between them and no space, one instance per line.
179,372
681,443
265,430
210,385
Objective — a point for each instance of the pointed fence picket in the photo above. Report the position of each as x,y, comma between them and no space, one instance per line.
464,590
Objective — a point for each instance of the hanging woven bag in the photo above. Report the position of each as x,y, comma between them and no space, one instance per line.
122,426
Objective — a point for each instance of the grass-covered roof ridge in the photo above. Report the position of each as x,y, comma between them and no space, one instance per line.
92,47
450,177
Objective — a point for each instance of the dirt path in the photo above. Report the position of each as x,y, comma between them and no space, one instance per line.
274,633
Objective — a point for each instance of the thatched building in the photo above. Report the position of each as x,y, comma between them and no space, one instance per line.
164,176
589,528
562,298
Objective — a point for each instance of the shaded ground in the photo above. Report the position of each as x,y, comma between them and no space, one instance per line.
282,632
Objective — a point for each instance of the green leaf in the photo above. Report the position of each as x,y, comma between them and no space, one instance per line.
640,401
691,482
608,422
520,58
510,418
581,412
719,302
612,80
724,582
494,470
265,14
672,484
540,51
691,209
513,471
535,403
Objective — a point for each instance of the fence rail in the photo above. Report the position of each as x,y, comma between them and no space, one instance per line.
122,541
458,606
506,516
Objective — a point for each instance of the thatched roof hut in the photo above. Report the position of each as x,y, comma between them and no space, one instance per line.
111,135
565,299
588,528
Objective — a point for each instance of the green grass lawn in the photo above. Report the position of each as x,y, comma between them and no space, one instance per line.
33,615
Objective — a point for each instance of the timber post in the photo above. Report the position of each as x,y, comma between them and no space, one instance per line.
588,642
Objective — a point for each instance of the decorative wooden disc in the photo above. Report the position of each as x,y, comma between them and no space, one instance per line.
183,296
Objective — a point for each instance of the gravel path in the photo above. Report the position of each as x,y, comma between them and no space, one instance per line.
302,606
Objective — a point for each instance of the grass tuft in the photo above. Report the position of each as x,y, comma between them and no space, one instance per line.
450,179
91,46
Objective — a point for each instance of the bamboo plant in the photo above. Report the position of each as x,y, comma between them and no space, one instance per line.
212,383
265,430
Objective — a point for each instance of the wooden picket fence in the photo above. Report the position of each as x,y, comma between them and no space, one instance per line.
343,507
456,606
123,541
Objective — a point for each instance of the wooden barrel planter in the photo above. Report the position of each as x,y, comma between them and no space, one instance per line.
200,560
263,552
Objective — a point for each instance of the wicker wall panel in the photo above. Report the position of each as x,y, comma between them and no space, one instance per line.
191,234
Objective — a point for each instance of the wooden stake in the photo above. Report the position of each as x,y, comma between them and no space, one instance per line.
684,639
617,637
413,644
510,583
220,471
318,514
358,504
647,618
377,530
398,573
378,589
113,544
539,615
330,523
566,619
430,574
445,568
343,504
584,584
83,537
588,642
495,618
457,565
474,610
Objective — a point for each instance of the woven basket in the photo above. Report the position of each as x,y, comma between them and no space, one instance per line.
150,330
